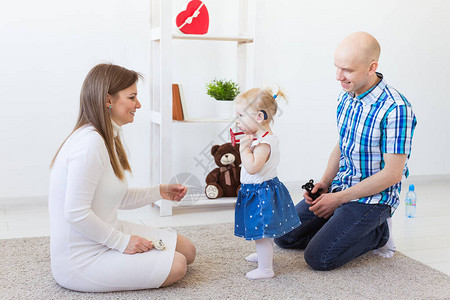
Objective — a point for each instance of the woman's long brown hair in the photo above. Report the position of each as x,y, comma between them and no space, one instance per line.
102,80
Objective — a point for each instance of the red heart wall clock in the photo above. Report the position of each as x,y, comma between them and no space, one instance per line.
195,19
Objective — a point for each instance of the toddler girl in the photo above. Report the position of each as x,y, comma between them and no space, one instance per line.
264,209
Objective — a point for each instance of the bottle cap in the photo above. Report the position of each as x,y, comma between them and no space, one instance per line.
411,187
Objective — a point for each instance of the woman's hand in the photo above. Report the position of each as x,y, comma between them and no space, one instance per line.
174,192
138,244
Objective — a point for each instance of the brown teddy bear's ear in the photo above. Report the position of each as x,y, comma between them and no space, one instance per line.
214,149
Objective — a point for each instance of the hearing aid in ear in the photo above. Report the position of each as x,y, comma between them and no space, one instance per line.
265,114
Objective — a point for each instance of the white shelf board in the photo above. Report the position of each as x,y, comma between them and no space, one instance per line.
236,38
156,36
204,121
203,202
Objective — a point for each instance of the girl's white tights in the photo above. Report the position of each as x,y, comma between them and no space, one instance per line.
264,257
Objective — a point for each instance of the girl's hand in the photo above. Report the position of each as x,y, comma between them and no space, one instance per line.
246,142
174,192
138,244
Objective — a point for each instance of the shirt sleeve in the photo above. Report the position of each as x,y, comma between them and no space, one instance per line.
138,197
85,169
398,130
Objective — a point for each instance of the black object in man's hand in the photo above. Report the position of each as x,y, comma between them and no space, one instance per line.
309,187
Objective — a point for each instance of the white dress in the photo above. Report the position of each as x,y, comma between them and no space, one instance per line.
87,240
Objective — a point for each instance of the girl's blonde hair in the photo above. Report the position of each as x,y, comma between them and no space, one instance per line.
103,80
262,100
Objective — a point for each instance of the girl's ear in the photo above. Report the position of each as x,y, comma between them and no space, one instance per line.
260,117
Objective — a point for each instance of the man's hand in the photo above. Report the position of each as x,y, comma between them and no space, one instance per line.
319,187
174,192
324,206
138,244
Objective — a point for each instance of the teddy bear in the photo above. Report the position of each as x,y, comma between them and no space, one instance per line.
224,181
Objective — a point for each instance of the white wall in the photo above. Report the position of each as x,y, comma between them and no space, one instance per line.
299,42
414,59
47,48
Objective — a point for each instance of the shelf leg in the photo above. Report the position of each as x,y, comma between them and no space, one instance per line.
165,208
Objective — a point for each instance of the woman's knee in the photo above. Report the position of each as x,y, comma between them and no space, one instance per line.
187,248
179,265
178,270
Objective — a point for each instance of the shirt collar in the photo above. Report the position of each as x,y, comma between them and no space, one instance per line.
259,139
116,128
371,95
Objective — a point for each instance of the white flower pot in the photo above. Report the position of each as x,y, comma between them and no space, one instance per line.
224,109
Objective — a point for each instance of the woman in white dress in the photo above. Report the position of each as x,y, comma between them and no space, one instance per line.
91,250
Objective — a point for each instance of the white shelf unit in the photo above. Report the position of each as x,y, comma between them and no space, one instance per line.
205,121
161,85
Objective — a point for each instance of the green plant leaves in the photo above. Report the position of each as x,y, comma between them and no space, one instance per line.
222,89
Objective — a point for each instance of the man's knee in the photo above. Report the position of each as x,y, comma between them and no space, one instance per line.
283,241
316,260
296,239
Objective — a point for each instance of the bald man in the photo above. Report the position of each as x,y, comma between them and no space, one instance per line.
360,187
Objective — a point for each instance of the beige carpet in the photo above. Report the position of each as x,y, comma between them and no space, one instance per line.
219,269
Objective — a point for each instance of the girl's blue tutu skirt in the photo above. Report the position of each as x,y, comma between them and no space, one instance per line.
264,210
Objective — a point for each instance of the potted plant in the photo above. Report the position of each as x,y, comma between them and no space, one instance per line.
224,92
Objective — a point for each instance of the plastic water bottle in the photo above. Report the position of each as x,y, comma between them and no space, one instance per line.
410,202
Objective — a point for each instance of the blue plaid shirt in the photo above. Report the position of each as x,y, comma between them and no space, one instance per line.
379,121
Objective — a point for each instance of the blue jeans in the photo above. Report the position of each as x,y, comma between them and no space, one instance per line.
354,229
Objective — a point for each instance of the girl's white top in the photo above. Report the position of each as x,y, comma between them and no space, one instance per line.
269,170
